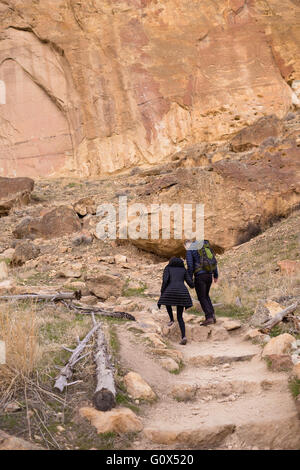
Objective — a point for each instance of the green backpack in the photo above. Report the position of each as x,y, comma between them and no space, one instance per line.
208,260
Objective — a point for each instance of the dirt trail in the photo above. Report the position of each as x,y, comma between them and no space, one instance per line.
237,403
134,357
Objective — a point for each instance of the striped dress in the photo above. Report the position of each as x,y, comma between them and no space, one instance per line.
173,290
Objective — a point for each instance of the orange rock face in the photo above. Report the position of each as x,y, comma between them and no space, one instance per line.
95,87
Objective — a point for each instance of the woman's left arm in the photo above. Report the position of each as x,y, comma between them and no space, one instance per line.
166,278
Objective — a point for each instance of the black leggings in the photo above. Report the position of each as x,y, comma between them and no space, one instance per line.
179,317
203,282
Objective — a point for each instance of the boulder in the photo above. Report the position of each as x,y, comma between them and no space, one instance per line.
169,364
219,334
254,194
119,420
74,271
14,192
195,438
8,442
147,326
58,222
89,300
279,345
280,363
104,286
24,251
155,340
84,206
138,387
289,267
231,325
253,333
79,285
172,353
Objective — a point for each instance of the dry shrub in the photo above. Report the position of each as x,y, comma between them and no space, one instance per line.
283,286
19,331
228,292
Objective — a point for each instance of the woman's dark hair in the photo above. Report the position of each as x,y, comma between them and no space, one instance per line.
176,262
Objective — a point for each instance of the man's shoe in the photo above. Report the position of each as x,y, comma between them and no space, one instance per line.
183,341
170,323
209,321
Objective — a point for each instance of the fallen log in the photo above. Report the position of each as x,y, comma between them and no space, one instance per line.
98,311
56,296
269,324
67,371
63,296
104,398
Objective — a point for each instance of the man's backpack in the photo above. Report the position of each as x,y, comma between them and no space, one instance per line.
208,260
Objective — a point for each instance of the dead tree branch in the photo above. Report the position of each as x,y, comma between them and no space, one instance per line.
98,311
67,371
105,395
269,324
56,296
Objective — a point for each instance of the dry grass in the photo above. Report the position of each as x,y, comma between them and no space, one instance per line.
19,331
228,291
34,335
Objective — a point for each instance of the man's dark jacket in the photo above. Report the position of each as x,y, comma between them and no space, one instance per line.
193,260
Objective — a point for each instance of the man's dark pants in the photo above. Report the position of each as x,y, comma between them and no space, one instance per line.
203,282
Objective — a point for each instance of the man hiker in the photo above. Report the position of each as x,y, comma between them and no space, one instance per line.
202,264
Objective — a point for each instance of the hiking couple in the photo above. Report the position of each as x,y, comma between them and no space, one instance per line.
202,266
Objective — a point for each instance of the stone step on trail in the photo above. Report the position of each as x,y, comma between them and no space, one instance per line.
235,378
268,421
222,389
197,333
221,352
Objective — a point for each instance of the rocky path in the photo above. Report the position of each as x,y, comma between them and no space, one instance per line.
224,397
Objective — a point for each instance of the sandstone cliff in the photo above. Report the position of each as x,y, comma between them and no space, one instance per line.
99,86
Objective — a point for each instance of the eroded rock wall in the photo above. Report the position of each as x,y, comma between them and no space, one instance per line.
99,86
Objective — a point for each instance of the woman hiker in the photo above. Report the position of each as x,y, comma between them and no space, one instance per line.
175,293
